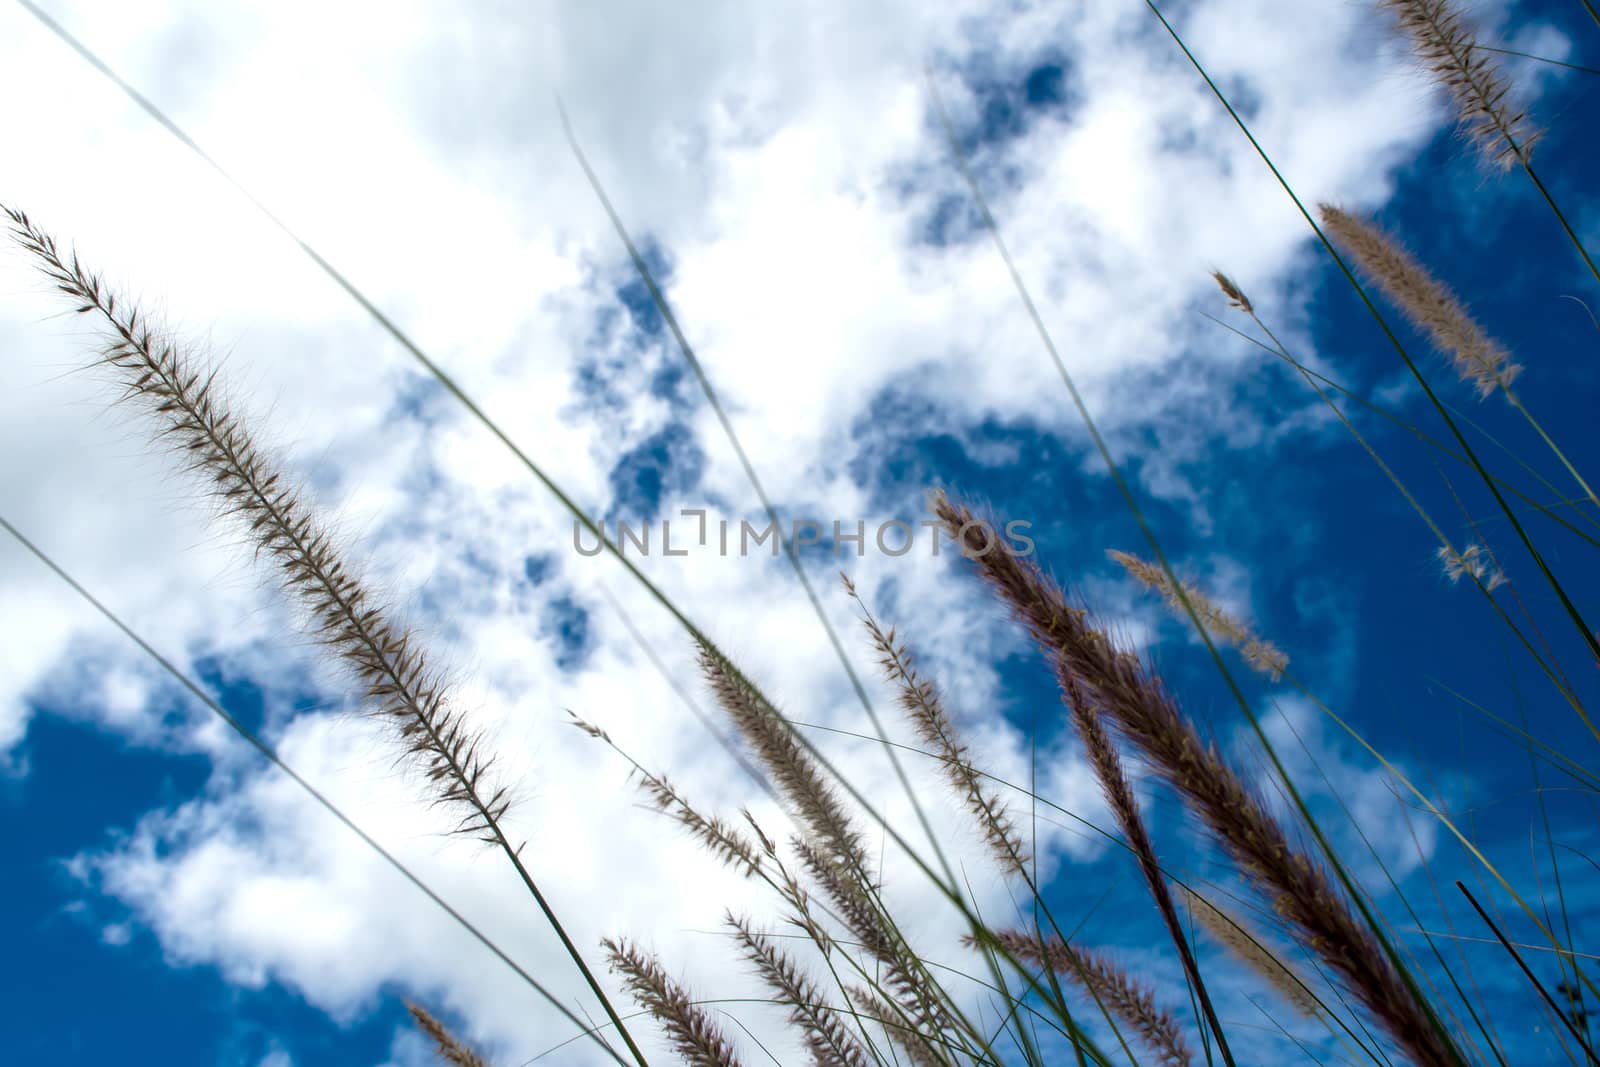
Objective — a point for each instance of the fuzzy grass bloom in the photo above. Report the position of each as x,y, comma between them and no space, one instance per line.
692,1033
1118,791
920,1051
725,842
916,999
1231,933
1133,1004
398,682
1473,561
1427,303
722,840
792,769
1440,37
1262,655
832,851
826,1036
161,376
1235,295
451,1049
1137,703
923,705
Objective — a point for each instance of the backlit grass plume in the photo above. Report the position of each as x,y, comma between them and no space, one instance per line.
694,1036
1118,791
1261,655
160,376
1439,34
1123,996
450,1048
826,1037
831,851
1425,301
726,842
1134,700
911,1042
794,772
923,705
1472,561
1231,933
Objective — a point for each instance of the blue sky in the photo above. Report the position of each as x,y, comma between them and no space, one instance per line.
787,179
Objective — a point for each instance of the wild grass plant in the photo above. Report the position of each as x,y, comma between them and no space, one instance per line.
1292,913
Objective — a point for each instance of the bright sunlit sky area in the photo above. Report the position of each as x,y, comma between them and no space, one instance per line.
785,174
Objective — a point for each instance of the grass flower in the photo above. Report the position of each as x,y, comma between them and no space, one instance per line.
1138,704
1472,561
692,1033
906,1037
1232,934
794,772
827,1038
1133,1004
925,708
1235,295
161,376
1426,302
399,683
1262,655
451,1049
1439,34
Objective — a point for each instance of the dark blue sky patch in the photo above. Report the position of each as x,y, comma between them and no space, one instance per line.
598,376
294,691
420,397
905,445
1243,94
635,297
538,568
1008,103
673,383
89,781
667,462
954,219
1045,84
629,348
567,622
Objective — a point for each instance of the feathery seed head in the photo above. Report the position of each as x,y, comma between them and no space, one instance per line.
1442,40
1426,302
1120,993
1473,561
1136,702
1234,294
451,1049
1237,938
723,841
793,770
400,684
692,1033
925,708
1261,655
920,1051
827,1038
861,914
